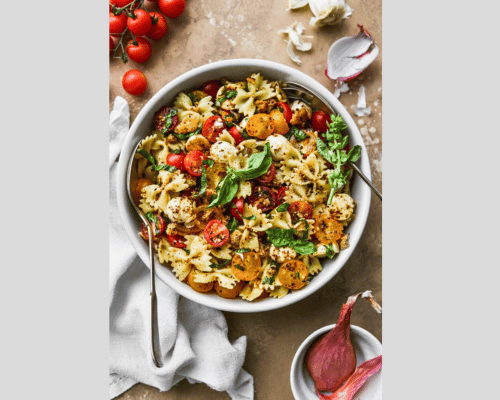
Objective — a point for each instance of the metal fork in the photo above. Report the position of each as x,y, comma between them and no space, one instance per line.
296,91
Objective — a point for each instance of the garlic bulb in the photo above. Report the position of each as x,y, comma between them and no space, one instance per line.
329,12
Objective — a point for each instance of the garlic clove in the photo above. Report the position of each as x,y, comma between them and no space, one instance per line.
295,39
351,55
329,12
294,4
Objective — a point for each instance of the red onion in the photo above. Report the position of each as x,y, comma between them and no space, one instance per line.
331,359
355,381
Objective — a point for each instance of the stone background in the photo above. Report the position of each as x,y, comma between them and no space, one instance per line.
212,30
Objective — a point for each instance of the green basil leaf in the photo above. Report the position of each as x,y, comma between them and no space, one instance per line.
169,120
232,225
289,134
245,135
303,247
258,164
299,135
280,237
187,251
325,152
175,151
203,180
354,154
227,191
243,250
185,136
283,207
147,156
226,96
330,253
219,266
268,280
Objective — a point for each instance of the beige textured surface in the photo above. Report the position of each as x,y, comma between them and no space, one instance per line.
216,30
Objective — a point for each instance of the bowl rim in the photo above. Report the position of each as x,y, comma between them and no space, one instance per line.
294,369
126,211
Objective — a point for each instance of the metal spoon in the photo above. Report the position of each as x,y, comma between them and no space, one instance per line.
298,92
154,312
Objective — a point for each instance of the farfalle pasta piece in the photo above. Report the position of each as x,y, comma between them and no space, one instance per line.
185,107
245,238
224,276
215,174
259,224
312,263
244,189
223,253
279,292
172,181
155,199
281,220
269,274
145,144
251,290
258,89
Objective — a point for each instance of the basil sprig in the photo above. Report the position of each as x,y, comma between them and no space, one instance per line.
150,158
204,180
332,152
285,237
258,164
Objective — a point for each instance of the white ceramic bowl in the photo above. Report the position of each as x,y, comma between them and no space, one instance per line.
366,347
239,69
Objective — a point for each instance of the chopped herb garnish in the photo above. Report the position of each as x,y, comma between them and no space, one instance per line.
168,120
297,275
204,181
233,224
185,136
245,135
238,266
229,124
154,219
187,251
175,151
299,135
219,266
243,250
150,158
226,95
268,280
330,253
193,97
283,207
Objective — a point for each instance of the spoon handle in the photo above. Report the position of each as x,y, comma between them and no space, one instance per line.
154,310
368,182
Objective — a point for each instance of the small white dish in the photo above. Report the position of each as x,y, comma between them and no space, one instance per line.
366,347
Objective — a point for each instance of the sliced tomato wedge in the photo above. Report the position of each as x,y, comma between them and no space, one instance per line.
158,228
263,198
211,88
176,160
235,133
236,207
176,241
213,127
268,176
300,210
281,195
216,233
193,160
166,119
285,110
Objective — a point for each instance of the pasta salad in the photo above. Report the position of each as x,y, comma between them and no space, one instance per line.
245,191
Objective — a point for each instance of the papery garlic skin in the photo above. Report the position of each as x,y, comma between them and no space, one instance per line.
294,4
296,39
329,12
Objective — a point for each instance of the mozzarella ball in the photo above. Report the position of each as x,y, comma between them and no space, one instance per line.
279,146
180,209
222,152
282,254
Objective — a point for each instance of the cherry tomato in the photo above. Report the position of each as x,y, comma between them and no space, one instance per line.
176,160
319,120
117,23
229,293
159,28
246,266
299,210
120,3
293,274
158,228
216,233
176,241
327,230
163,116
281,194
285,110
211,88
192,162
278,122
263,198
134,82
141,52
213,127
111,44
198,286
238,208
268,176
235,133
141,24
259,126
172,8
141,184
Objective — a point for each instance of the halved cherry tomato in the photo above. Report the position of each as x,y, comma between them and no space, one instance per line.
235,133
211,88
327,230
193,160
176,160
278,122
299,210
139,52
286,110
213,127
259,126
238,208
263,198
281,195
229,293
268,176
198,286
293,274
159,28
319,119
117,23
141,24
216,233
158,228
141,184
246,266
162,118
176,241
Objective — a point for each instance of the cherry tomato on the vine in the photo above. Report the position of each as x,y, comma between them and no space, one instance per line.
192,162
213,127
176,241
216,233
263,198
211,88
134,82
172,8
285,110
141,24
159,28
299,210
268,176
176,160
120,3
235,133
236,207
117,23
158,227
141,52
319,120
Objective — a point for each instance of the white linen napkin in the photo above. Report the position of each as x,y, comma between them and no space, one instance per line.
193,338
